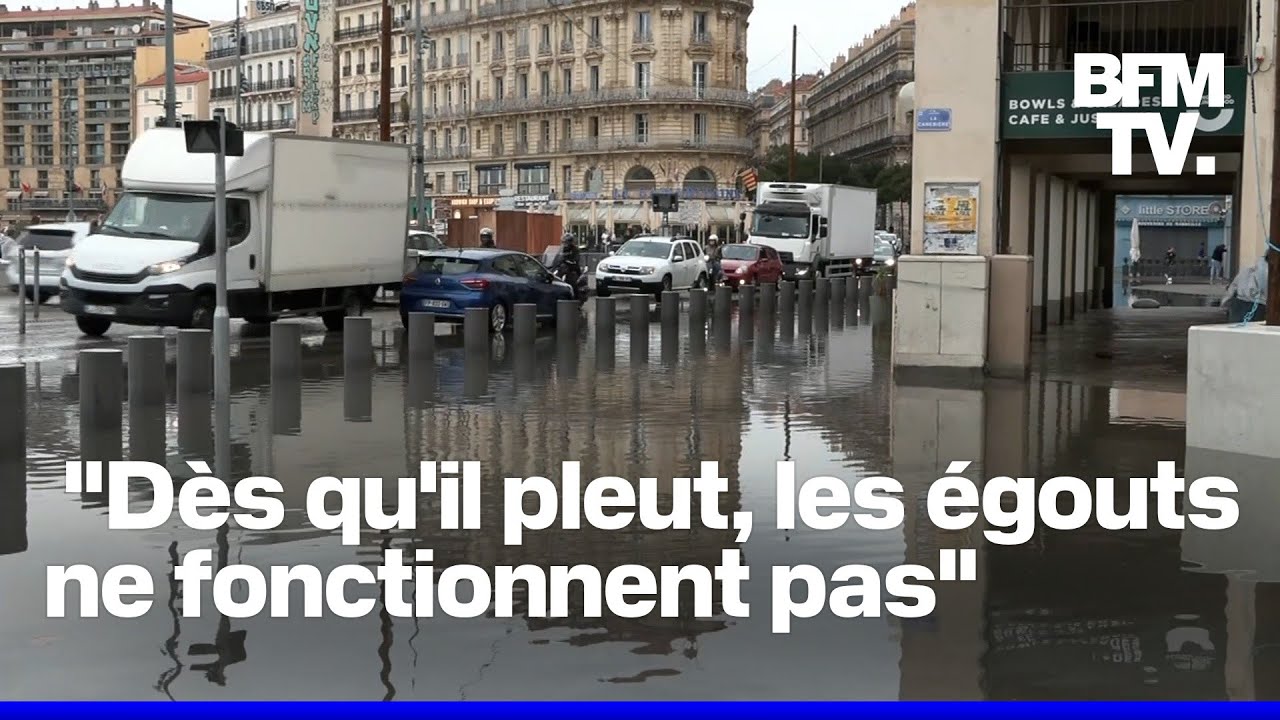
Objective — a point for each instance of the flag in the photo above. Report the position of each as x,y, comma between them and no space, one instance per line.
26,189
749,179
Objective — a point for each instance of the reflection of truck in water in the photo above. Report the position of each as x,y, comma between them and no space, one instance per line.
818,229
302,237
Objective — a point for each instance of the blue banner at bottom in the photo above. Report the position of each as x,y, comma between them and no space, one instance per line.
646,710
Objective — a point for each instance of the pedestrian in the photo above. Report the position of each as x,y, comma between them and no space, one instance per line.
1170,256
1215,264
1135,256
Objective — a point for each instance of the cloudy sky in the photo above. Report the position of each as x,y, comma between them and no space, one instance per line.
827,28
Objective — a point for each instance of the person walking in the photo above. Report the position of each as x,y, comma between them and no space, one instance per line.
1170,257
1215,264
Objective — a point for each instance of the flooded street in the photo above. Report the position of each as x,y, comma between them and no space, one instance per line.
1091,614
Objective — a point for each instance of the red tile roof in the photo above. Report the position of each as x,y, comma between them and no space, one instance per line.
183,75
149,9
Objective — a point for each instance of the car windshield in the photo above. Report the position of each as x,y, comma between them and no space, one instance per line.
738,251
44,239
159,216
446,265
780,226
423,241
646,249
884,247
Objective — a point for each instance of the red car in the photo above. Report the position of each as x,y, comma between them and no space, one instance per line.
742,264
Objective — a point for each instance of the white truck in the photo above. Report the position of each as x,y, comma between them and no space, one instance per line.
817,229
314,226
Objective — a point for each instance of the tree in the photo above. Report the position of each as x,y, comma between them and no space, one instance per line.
891,182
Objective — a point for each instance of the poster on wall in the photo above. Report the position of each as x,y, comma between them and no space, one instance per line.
951,219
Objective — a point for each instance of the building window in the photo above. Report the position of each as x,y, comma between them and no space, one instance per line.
439,186
491,179
522,85
448,140
534,180
700,128
593,126
404,75
594,78
434,137
566,81
644,27
545,78
460,184
522,136
643,78
544,140
566,179
700,79
566,134
593,25
700,26
642,127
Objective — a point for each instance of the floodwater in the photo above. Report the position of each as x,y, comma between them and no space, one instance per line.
1147,614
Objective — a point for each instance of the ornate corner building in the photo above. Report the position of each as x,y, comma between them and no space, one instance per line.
585,106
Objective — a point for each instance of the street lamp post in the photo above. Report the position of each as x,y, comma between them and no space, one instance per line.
420,158
821,157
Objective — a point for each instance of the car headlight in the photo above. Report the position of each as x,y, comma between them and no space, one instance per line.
803,271
166,267
858,261
890,262
71,262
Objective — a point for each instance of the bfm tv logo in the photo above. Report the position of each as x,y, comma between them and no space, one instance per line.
1122,80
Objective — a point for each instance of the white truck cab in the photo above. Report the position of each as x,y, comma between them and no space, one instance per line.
817,229
314,226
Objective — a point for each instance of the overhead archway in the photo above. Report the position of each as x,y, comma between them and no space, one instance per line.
639,179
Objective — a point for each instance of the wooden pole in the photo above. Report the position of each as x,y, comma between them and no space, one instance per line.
384,94
791,162
1273,257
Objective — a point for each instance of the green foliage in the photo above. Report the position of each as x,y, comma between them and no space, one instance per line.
891,182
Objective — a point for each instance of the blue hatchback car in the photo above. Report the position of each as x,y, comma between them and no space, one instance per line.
447,282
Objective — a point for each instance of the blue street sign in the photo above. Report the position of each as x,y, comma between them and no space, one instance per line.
933,120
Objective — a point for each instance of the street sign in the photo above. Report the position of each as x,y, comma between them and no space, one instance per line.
202,138
933,120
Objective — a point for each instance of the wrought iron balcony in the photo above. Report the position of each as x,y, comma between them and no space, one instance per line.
667,93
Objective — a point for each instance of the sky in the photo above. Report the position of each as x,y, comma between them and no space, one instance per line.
826,29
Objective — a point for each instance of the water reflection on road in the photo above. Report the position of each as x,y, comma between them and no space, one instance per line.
1090,614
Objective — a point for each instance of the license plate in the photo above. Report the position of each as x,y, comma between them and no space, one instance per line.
99,310
435,303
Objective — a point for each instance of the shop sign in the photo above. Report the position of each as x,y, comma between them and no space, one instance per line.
1038,105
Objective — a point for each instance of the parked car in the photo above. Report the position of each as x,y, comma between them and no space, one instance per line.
653,264
55,241
743,264
447,282
418,242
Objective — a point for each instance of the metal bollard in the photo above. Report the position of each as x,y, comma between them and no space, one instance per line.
724,305
146,371
787,298
639,327
526,324
805,294
100,393
357,392
822,292
422,337
697,311
475,331
567,314
286,349
768,299
864,288
357,342
606,317
837,290
670,309
22,291
851,294
35,286
747,307
13,431
195,361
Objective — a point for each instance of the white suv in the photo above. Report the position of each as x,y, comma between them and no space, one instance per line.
651,264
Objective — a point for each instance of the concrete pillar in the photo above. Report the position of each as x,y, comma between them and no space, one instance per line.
525,318
195,361
864,288
822,291
697,312
286,349
1040,253
422,338
101,396
851,295
1020,207
357,388
475,331
804,295
768,300
1056,224
146,371
747,305
837,290
670,309
357,342
567,314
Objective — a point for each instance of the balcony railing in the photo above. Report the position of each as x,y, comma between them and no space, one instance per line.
273,46
362,115
268,125
642,37
700,39
446,61
729,96
446,19
360,68
457,152
461,60
223,93
499,54
1193,27
28,115
355,33
544,48
522,52
616,143
217,53
97,90
269,85
566,46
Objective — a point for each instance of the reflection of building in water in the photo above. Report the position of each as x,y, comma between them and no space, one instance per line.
628,423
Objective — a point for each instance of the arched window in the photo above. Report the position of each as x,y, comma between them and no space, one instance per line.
639,178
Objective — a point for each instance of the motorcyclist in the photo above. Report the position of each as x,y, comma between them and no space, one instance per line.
713,257
486,238
570,261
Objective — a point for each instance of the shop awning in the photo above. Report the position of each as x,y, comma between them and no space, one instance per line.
633,214
13,195
722,214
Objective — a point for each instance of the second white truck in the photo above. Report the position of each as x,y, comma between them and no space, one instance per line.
314,226
818,229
